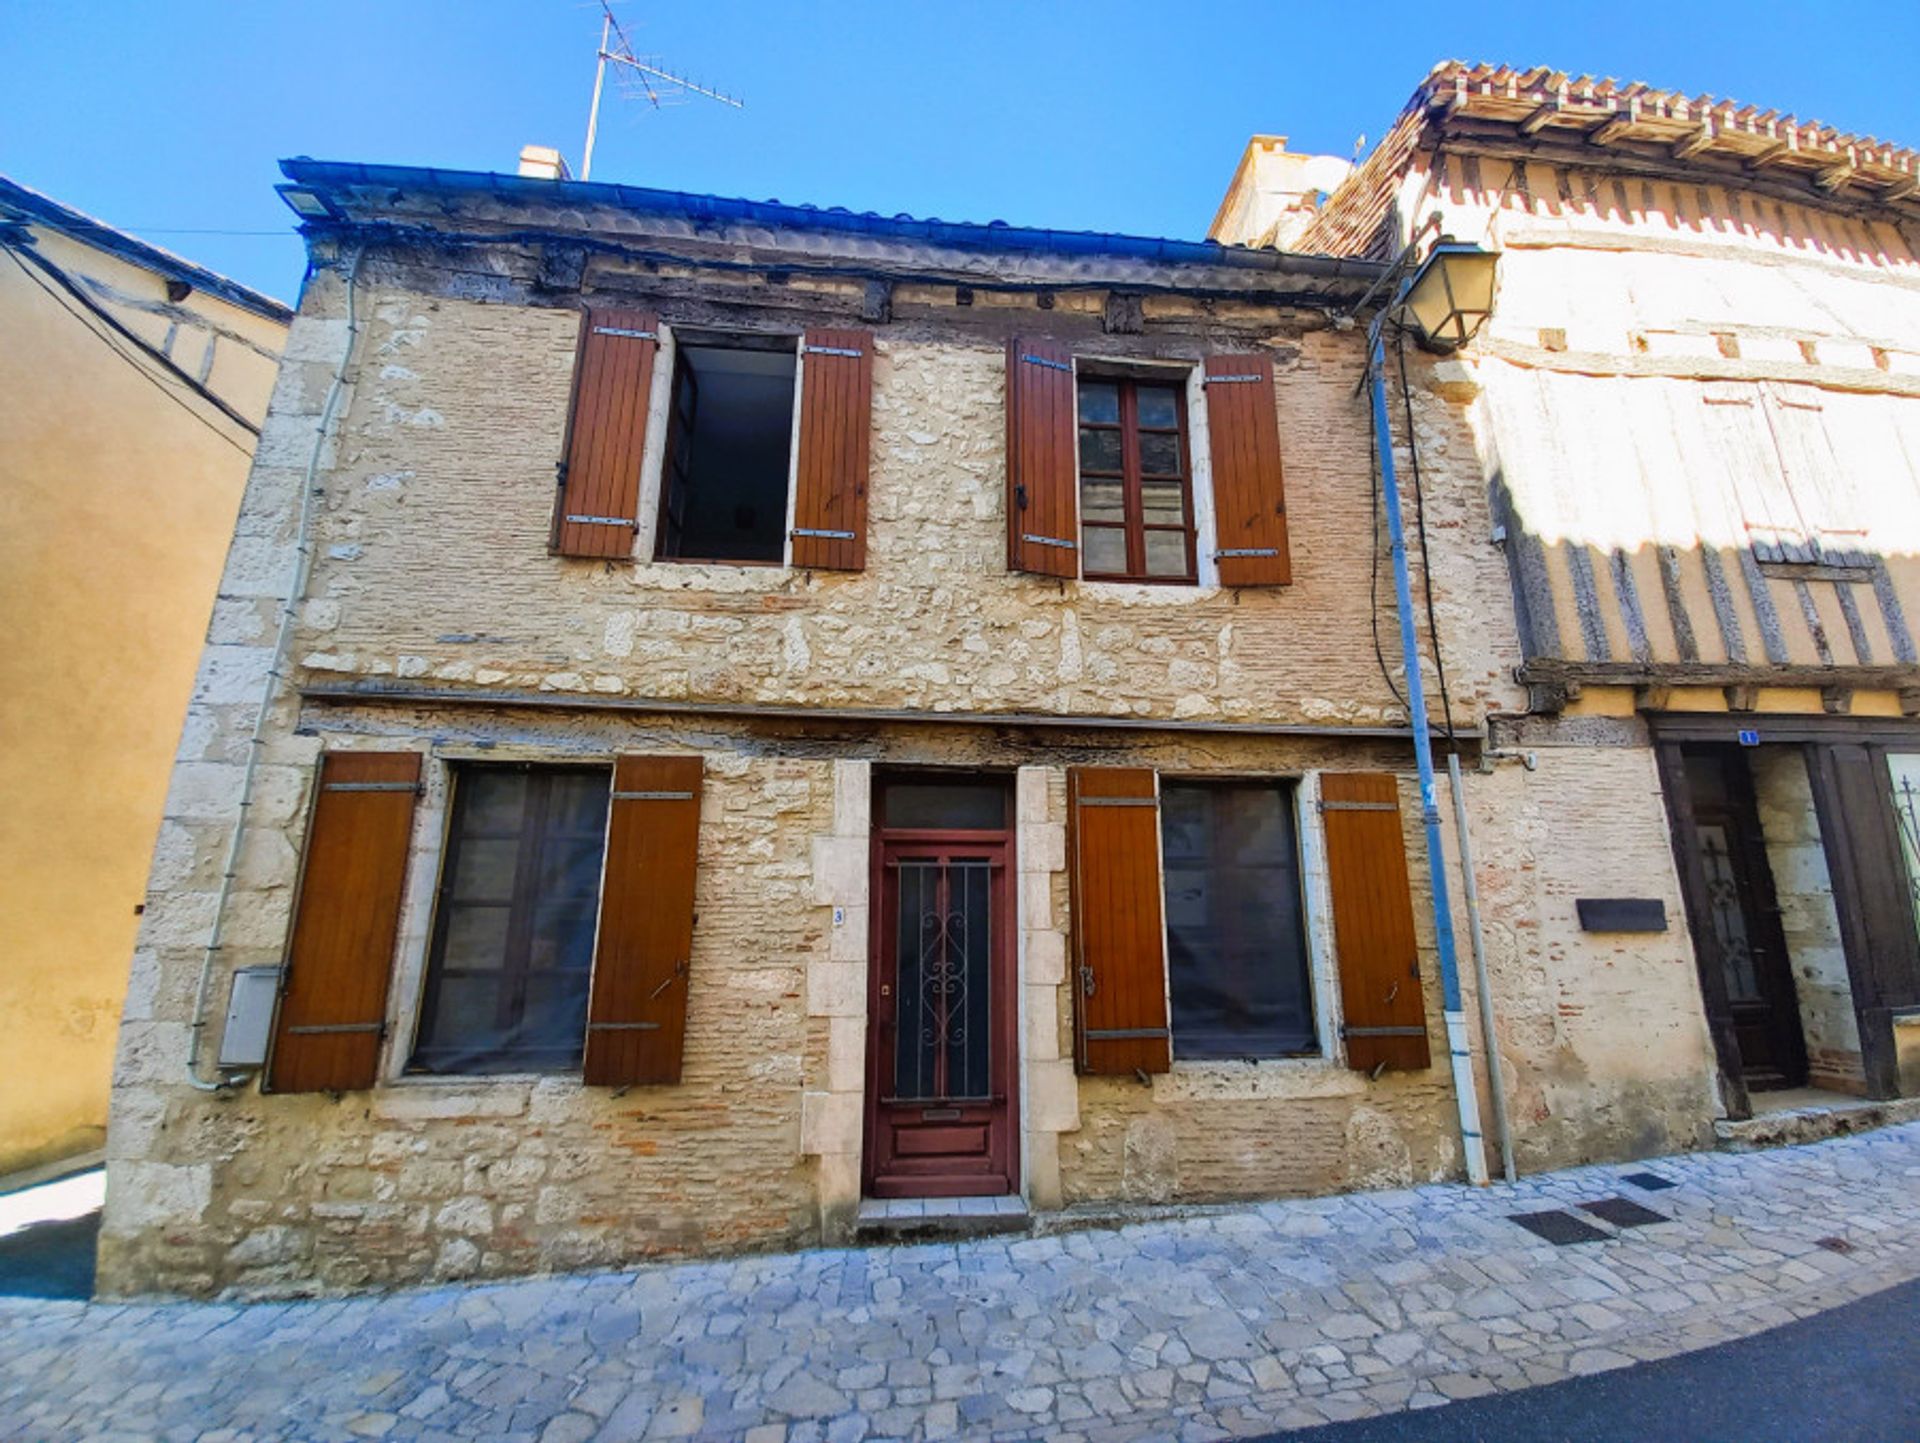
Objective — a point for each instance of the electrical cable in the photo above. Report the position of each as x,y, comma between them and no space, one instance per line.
1373,581
1420,526
109,342
22,254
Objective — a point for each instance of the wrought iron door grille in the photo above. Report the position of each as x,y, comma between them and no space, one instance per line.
942,988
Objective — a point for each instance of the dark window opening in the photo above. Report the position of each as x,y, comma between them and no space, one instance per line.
1136,504
1236,939
512,949
723,491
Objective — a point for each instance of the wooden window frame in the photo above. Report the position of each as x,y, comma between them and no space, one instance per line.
525,891
1135,524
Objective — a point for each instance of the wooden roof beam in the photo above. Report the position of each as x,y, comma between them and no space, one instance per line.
1541,115
1615,125
1693,144
1901,188
1835,176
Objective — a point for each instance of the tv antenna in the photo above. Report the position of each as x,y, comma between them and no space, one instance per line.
639,79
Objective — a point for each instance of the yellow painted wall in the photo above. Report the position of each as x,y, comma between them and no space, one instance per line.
116,506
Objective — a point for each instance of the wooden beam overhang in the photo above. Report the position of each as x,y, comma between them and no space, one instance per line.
392,693
1700,140
1613,128
1554,672
1557,119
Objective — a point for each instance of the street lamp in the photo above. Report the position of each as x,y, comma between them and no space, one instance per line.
1451,295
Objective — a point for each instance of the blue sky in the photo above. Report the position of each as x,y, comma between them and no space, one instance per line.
168,118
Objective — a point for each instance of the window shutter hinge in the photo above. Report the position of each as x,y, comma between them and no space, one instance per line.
1050,541
1048,362
831,351
1246,551
1228,380
625,333
823,535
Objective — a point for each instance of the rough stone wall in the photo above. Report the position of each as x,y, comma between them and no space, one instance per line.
431,568
439,1177
1804,891
1604,1035
445,475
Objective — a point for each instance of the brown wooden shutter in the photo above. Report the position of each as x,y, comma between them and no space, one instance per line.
637,1018
333,994
1043,460
1249,496
830,493
606,434
1381,998
1119,939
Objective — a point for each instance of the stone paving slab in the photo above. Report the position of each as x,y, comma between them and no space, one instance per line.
1229,1324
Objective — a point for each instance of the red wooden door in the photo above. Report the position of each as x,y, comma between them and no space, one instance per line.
941,1064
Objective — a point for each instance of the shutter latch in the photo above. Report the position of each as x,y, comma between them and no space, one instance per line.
679,971
1087,983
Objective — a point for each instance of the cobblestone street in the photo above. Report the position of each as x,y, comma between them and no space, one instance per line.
1233,1322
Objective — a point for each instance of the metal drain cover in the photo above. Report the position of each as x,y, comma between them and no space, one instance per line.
1558,1228
1623,1212
1649,1181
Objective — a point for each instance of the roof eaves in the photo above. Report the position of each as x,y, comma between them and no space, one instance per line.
30,205
333,176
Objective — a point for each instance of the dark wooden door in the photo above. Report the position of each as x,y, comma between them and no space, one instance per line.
941,1073
1744,940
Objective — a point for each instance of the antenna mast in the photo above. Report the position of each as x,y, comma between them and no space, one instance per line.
641,76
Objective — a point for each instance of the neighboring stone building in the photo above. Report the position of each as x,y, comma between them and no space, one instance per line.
1697,405
921,748
134,384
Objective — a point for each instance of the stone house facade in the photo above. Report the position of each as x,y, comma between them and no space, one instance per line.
1696,413
930,743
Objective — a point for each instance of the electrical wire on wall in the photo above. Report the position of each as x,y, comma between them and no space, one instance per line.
1373,581
116,339
1426,559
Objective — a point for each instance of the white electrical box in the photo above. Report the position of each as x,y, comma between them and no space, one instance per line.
249,1017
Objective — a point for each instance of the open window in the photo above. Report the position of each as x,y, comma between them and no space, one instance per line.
723,488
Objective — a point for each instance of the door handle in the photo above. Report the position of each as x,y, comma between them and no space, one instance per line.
886,990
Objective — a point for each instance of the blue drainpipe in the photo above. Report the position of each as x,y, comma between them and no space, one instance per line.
1466,1096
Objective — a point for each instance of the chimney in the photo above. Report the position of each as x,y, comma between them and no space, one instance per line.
543,162
1275,193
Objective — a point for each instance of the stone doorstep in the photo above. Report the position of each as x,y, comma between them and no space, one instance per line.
1813,1123
931,1219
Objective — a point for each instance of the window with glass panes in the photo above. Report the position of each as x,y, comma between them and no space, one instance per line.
512,951
1136,506
1236,932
